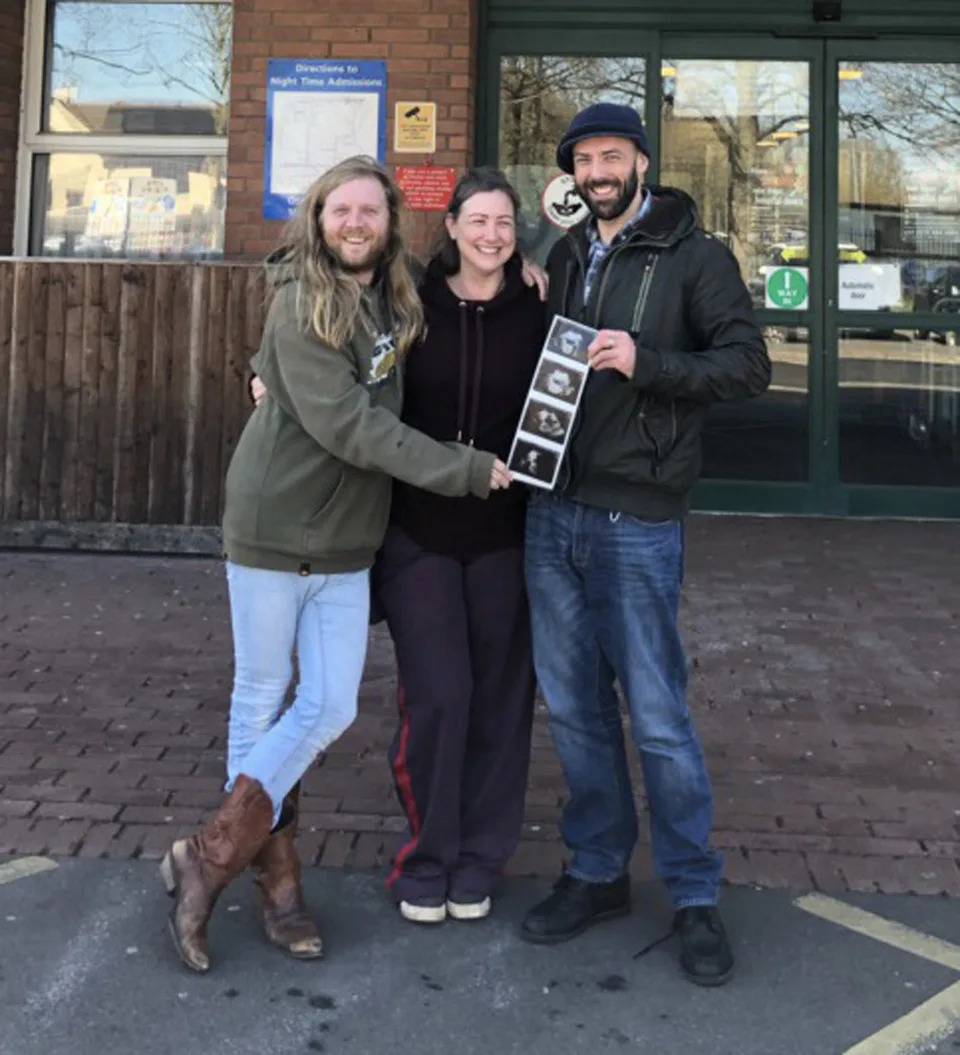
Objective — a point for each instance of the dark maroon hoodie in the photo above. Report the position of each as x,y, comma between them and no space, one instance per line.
467,380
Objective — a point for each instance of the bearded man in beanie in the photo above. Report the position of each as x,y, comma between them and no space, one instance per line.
605,550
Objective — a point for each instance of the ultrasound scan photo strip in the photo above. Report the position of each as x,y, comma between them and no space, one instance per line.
540,443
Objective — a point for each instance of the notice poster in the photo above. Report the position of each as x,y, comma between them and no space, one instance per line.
426,188
108,212
318,114
152,221
551,407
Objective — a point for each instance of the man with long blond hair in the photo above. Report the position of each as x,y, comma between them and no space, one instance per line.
307,499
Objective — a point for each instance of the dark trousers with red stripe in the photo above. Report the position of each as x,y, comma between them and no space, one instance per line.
461,630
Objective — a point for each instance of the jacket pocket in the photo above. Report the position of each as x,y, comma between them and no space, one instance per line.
313,525
657,425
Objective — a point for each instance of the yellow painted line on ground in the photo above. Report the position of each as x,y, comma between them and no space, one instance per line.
896,934
918,1030
23,867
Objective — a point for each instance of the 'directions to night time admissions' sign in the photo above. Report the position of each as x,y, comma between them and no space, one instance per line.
318,113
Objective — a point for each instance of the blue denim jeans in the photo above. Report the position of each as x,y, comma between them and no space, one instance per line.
323,618
604,591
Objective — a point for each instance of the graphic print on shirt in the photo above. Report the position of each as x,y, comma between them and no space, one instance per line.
384,359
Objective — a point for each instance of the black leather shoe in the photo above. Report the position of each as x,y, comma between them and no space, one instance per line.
573,906
705,954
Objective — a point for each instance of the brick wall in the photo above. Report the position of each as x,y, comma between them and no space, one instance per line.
428,46
11,54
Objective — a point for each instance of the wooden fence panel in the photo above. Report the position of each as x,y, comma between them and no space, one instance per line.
173,506
51,445
212,396
17,395
145,397
72,373
161,425
90,404
6,342
122,388
31,427
107,392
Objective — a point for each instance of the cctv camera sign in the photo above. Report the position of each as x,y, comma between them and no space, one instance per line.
562,204
415,128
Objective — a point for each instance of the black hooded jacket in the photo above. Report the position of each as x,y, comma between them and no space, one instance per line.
466,380
679,293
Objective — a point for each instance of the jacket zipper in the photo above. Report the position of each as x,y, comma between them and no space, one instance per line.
644,293
638,312
566,474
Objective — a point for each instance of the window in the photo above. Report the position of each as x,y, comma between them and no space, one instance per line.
539,94
123,150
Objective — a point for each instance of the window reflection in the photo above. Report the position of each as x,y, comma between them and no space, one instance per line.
736,137
899,408
765,438
129,206
539,94
145,69
899,186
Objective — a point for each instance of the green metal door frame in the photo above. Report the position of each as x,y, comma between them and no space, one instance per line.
823,493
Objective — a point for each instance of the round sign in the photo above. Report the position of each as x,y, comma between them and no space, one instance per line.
562,205
787,288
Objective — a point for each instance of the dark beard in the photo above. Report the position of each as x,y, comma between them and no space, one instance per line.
610,210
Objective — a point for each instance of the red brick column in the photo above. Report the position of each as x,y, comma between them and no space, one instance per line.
429,49
11,65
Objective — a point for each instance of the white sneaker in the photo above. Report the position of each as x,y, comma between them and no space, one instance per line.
469,909
427,910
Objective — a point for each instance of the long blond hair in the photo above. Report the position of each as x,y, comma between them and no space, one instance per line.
330,300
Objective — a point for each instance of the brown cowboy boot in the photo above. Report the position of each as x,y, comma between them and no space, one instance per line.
284,915
195,870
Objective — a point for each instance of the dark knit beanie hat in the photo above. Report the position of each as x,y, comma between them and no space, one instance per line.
601,119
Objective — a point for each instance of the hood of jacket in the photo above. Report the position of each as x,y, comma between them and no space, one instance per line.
673,217
437,294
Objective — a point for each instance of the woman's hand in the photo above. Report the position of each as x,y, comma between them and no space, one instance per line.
257,390
500,476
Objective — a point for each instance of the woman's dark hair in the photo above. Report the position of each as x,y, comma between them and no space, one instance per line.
474,181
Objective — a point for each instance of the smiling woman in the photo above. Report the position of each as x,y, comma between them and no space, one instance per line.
450,574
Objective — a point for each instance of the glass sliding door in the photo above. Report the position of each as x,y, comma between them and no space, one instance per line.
736,133
897,288
735,136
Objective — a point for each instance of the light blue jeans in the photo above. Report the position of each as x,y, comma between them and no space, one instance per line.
324,619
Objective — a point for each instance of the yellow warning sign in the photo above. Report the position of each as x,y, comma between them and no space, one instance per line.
415,128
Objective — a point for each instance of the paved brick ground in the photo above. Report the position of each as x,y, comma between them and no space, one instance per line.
825,670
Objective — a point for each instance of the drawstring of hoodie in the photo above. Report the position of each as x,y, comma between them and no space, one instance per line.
463,427
462,394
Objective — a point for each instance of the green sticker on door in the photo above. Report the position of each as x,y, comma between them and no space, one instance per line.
787,288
